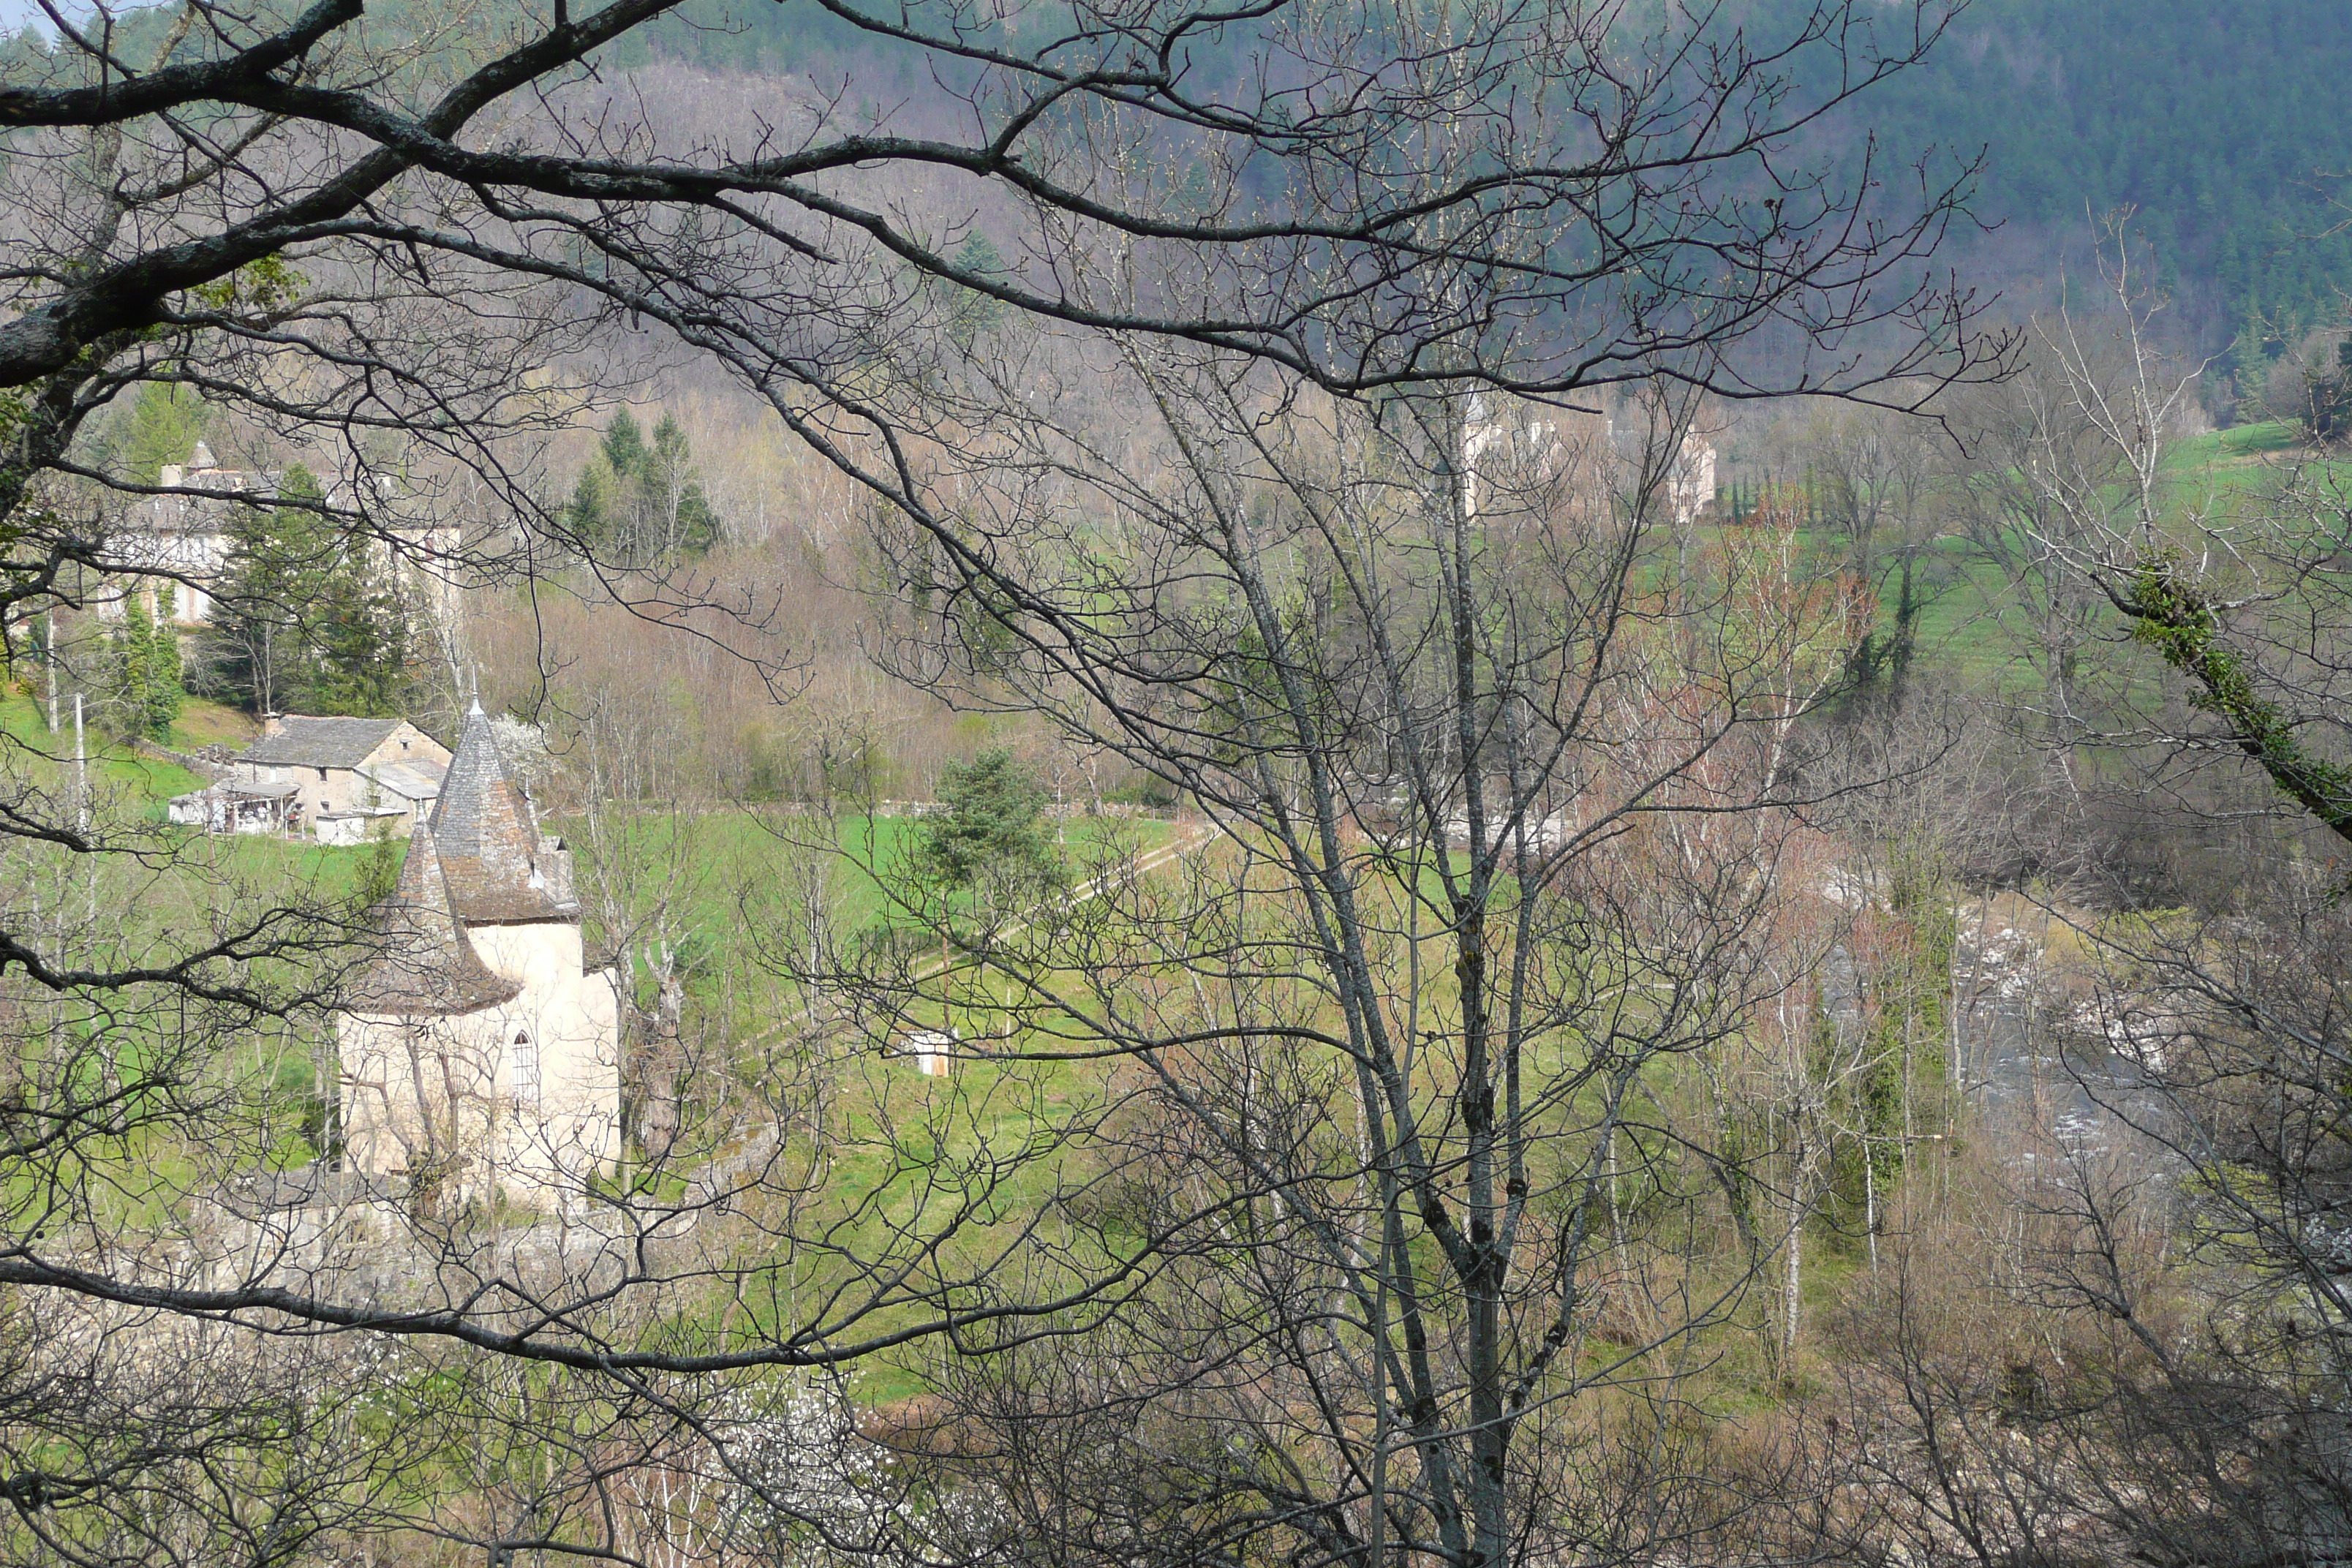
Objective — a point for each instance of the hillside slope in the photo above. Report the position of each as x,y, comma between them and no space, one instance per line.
2224,127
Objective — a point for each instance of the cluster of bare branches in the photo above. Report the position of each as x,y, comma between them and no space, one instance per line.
1266,458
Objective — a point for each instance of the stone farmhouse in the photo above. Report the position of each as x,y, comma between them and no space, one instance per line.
340,780
481,1053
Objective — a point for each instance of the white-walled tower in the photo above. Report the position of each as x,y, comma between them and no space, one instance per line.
479,1053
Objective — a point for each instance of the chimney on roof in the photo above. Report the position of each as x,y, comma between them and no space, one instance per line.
273,723
170,476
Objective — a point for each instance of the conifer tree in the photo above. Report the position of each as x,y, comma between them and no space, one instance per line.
642,502
275,562
143,669
304,620
161,425
993,830
625,444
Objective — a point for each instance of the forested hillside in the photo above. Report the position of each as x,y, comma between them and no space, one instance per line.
2223,128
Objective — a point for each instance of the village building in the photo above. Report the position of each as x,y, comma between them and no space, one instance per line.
341,780
1570,456
173,550
1690,483
226,806
481,1052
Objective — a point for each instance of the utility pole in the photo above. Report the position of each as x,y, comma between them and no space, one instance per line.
81,775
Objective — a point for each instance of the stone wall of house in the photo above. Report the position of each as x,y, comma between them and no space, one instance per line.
574,1021
326,790
419,1103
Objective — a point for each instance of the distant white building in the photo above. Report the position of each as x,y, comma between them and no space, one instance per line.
173,549
1523,448
481,1055
185,536
1690,483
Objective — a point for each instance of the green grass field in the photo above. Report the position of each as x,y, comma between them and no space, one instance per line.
1976,627
46,755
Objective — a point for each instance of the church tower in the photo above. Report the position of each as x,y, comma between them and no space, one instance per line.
481,1055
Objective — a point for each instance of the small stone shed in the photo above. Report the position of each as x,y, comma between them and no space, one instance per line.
227,807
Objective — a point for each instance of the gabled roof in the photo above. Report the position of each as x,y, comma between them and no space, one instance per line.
307,743
427,964
490,848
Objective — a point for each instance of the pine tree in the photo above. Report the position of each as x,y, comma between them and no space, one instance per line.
643,502
161,425
143,671
278,562
625,444
588,516
992,831
363,648
304,620
680,512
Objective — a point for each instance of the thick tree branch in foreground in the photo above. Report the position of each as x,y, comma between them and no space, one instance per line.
466,1322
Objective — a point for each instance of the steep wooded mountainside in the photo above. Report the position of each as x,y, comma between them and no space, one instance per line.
2223,127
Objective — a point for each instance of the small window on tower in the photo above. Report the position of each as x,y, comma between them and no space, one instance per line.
526,1068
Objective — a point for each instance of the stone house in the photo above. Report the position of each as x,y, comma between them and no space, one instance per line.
186,536
480,1052
349,775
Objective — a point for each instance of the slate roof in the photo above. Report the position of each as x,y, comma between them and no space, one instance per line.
416,780
230,789
319,742
428,966
490,848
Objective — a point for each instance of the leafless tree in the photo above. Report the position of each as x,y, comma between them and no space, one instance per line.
2169,1381
321,234
1410,1055
416,255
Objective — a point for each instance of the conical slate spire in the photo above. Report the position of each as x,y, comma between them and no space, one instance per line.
498,867
427,964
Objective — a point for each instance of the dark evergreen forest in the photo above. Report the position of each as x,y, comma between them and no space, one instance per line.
2224,128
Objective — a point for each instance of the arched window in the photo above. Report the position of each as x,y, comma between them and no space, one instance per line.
525,1068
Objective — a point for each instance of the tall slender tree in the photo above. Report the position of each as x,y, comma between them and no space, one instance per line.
382,242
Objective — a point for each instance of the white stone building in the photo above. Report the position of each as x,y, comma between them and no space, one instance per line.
175,548
481,1055
1690,484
